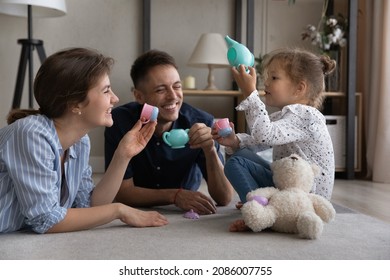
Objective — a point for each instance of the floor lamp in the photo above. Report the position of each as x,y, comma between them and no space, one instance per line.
26,8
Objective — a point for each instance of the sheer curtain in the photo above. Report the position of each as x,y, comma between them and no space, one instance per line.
377,89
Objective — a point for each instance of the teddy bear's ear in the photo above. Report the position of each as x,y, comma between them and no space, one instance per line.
316,169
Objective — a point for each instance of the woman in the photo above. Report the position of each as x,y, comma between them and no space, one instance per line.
45,178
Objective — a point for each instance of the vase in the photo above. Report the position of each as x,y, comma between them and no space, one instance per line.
332,81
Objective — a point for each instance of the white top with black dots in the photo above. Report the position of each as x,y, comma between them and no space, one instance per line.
297,128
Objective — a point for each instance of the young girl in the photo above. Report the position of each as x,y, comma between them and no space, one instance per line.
294,83
45,178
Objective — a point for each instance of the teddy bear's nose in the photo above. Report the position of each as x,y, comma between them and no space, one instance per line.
294,158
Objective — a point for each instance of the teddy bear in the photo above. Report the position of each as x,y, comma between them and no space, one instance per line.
289,207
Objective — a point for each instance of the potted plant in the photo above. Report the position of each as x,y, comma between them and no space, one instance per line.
329,37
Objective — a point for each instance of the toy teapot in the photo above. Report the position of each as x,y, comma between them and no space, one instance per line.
176,138
238,54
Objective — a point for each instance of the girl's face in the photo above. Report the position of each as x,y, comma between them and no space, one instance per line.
96,110
280,90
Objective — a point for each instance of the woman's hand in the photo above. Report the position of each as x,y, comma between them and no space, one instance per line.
136,139
138,218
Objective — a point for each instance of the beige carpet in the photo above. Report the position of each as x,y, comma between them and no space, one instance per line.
350,236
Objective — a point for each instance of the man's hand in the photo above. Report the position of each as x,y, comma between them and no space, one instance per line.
197,201
200,137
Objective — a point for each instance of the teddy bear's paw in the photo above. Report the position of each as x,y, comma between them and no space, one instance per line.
323,208
326,212
309,225
257,217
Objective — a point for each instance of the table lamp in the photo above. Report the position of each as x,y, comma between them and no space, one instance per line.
210,51
26,8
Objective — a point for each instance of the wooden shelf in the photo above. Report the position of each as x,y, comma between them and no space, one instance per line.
198,92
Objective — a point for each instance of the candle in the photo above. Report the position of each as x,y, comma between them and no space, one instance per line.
189,82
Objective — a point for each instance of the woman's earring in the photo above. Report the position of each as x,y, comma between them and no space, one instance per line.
76,111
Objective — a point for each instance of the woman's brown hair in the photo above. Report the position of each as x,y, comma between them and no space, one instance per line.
63,80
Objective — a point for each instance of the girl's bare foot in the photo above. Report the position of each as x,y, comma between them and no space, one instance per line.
239,205
239,226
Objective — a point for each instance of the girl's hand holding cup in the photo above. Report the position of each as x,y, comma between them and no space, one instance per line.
223,132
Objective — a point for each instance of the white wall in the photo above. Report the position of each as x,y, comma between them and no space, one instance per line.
176,26
114,27
278,24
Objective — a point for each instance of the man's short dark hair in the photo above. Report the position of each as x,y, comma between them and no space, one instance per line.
148,60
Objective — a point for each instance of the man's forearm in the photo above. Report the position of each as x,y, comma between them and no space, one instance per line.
218,185
144,197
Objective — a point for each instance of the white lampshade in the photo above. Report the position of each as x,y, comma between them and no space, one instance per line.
210,51
40,8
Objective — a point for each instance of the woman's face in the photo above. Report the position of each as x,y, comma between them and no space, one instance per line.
96,109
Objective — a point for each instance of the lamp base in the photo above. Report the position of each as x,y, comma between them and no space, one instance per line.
211,87
210,79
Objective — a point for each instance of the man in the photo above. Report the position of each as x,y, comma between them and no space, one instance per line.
160,175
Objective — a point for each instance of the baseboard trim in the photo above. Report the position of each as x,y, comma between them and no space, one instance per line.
97,164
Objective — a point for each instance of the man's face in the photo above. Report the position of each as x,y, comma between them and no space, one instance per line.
162,88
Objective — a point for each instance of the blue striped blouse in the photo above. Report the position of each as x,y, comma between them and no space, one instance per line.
30,175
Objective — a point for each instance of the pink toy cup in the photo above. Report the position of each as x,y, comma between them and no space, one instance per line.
149,113
223,127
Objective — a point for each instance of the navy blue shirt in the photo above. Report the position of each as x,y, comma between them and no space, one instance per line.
159,166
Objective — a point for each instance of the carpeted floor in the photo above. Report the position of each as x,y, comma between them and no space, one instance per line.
351,236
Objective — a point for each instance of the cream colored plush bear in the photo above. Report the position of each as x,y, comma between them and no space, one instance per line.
289,207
